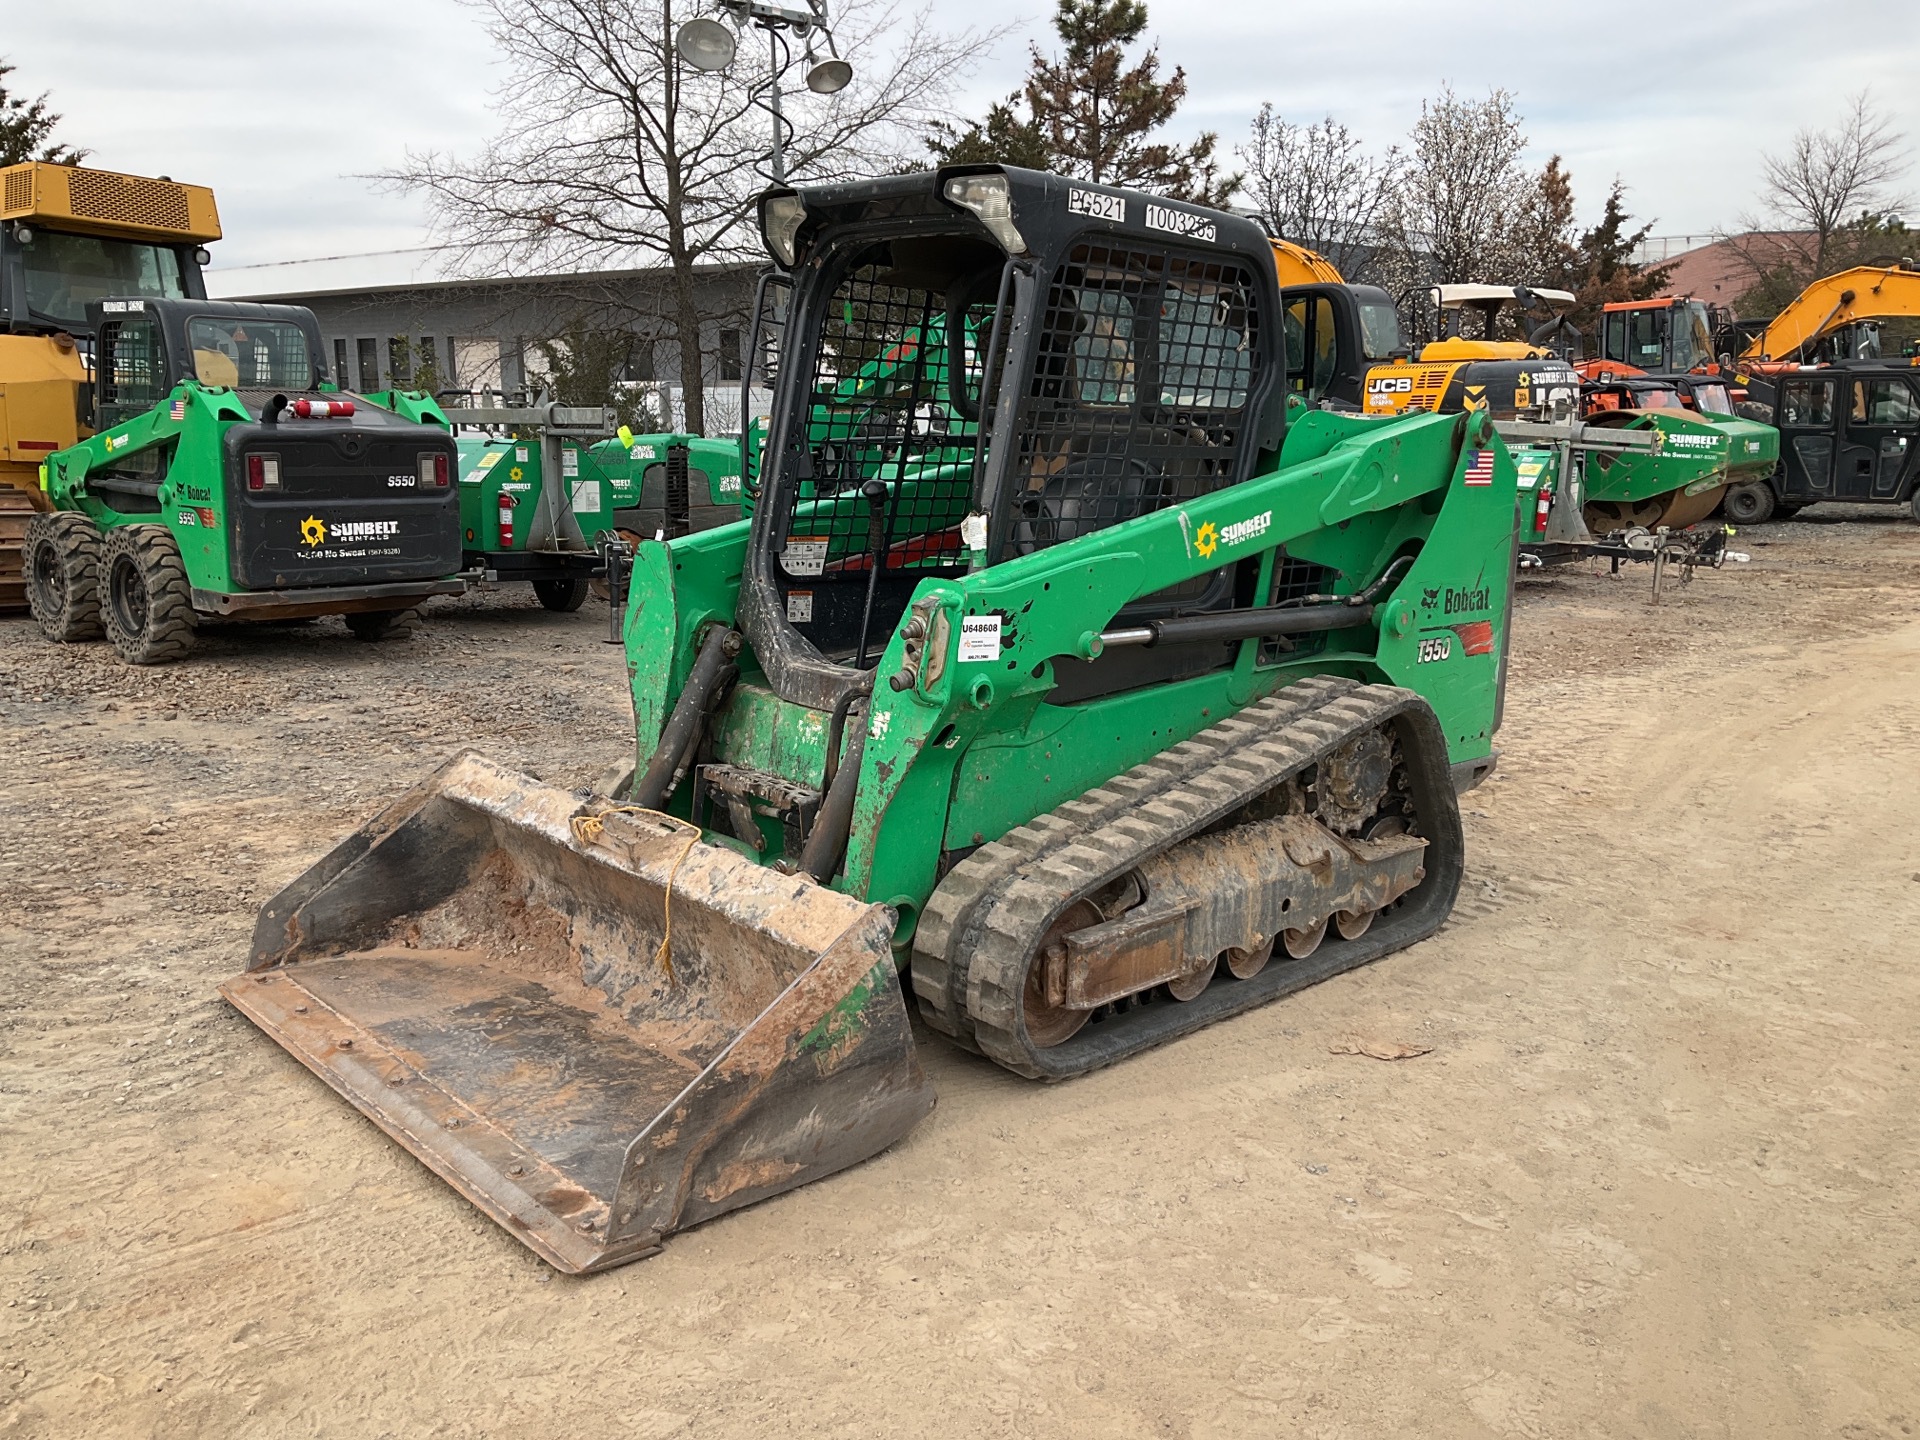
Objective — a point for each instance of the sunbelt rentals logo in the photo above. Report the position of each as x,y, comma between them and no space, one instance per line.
315,531
1210,537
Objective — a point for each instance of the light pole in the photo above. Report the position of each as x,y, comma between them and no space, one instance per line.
708,45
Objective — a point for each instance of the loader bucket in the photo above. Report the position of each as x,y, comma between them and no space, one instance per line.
481,976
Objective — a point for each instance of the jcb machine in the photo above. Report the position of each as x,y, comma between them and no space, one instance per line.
226,480
1135,702
1528,378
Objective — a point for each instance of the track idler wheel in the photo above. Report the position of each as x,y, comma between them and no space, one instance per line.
1048,1024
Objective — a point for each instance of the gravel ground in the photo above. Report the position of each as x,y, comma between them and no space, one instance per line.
1655,1177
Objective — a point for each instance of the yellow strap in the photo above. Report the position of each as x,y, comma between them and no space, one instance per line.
591,829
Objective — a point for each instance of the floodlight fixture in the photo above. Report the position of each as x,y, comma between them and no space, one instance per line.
705,44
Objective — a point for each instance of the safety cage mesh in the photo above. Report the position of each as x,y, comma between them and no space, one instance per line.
889,454
1139,396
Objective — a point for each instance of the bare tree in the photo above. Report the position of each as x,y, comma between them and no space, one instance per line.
612,152
1829,179
1317,186
1830,199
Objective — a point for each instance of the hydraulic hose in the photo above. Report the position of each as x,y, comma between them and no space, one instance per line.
682,730
827,841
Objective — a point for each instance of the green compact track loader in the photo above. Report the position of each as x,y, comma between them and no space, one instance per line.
226,480
1077,688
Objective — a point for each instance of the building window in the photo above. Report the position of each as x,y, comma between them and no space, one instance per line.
473,362
369,356
640,360
729,354
341,375
400,361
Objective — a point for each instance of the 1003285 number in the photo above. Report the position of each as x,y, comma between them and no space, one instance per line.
1438,648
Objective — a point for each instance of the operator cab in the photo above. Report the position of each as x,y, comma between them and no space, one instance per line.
72,237
1662,337
1461,309
978,364
1334,334
1848,433
147,346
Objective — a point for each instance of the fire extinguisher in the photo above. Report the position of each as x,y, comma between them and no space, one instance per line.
507,502
1541,507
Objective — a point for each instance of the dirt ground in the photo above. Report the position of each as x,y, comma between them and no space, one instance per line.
1657,1176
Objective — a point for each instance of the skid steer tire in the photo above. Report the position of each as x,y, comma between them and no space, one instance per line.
1913,503
1750,504
370,626
63,576
561,593
146,600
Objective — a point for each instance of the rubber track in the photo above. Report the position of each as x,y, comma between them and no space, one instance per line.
990,911
950,923
170,616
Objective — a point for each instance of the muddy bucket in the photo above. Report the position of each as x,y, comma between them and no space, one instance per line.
480,969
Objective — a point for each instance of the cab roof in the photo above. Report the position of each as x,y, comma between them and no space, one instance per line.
1452,296
1047,210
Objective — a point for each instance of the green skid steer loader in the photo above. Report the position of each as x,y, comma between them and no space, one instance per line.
226,480
1133,698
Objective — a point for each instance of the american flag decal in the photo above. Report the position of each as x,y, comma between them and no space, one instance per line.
1480,470
179,408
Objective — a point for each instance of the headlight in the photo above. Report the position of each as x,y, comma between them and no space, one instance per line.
780,222
989,197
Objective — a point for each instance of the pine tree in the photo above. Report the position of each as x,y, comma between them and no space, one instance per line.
1005,137
1090,115
1603,272
25,127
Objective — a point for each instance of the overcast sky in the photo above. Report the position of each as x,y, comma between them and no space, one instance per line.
279,108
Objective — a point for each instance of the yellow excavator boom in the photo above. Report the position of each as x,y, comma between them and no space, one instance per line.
1866,292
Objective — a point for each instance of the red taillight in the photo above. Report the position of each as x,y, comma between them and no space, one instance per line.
263,472
433,470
